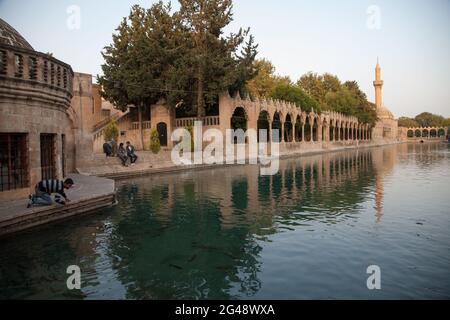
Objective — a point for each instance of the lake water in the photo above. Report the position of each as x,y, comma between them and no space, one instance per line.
309,232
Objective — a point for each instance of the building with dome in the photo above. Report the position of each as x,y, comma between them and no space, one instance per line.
41,123
386,129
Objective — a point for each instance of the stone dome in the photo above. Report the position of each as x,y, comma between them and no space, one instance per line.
10,36
384,113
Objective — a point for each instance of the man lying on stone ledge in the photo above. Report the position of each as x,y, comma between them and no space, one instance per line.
44,189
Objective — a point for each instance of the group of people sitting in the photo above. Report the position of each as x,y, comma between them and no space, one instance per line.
123,153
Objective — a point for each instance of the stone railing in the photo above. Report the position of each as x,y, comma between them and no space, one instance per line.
207,122
33,75
145,125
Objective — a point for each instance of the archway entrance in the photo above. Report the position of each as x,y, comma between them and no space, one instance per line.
418,133
308,136
239,122
288,129
263,124
410,134
162,133
276,127
298,130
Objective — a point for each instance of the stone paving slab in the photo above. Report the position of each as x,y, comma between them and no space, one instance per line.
87,194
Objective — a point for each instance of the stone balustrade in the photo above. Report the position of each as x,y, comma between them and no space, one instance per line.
31,75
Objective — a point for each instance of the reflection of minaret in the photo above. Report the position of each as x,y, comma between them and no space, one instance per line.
379,194
378,84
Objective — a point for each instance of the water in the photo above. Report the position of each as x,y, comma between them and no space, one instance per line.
309,232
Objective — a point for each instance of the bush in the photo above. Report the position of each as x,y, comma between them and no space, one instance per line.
155,144
111,131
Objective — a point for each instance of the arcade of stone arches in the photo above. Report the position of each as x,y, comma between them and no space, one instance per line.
428,133
295,125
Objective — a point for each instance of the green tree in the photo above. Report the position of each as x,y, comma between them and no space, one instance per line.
135,62
265,81
427,119
155,144
407,122
111,131
213,55
312,84
294,94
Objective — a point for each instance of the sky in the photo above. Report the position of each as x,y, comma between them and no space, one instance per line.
410,37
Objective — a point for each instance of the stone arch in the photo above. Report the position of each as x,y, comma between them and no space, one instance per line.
425,133
264,124
239,119
276,127
315,128
410,133
418,133
433,133
441,132
288,129
308,130
332,130
298,129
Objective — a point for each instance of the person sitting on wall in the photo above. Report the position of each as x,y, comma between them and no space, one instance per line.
107,149
122,154
130,152
45,188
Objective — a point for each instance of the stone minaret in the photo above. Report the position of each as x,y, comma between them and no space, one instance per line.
378,84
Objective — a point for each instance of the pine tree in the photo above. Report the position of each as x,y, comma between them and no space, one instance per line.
138,58
213,55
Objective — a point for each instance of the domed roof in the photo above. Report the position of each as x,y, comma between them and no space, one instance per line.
384,113
10,36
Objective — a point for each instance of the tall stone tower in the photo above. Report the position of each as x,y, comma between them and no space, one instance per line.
378,84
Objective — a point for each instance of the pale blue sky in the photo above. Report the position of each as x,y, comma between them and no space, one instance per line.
413,41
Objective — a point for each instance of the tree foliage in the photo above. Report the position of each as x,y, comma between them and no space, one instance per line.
111,131
182,56
294,94
407,122
425,119
155,144
265,80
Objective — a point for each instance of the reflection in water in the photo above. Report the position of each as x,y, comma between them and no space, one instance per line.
222,233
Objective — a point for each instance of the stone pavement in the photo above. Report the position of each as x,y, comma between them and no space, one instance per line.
88,194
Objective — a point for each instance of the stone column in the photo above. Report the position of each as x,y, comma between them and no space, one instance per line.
269,133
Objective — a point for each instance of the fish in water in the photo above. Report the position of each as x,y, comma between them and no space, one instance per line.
192,258
175,266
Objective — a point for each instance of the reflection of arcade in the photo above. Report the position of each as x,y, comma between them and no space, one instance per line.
210,221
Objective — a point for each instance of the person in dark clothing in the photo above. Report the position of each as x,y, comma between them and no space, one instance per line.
122,154
130,152
44,190
107,149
